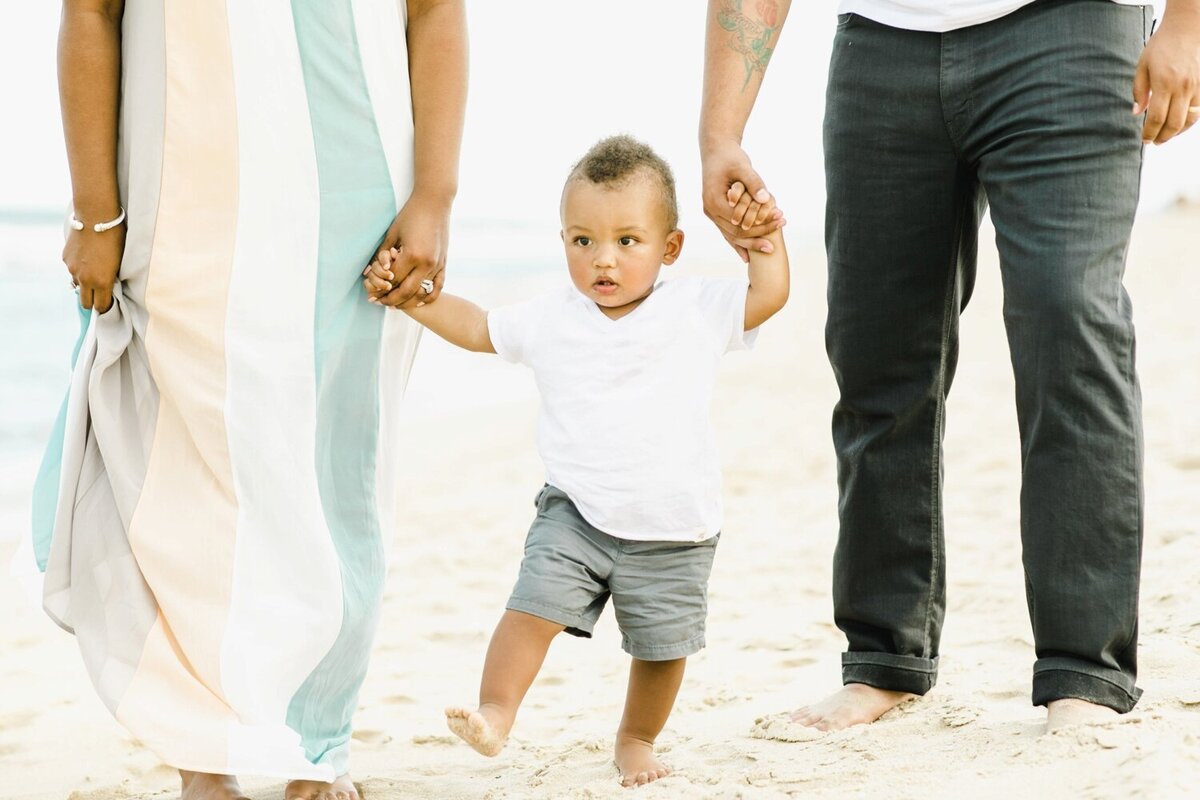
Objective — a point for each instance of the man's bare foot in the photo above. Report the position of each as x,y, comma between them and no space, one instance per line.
486,730
636,762
341,789
1072,711
203,786
853,704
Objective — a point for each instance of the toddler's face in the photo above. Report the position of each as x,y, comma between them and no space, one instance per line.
617,240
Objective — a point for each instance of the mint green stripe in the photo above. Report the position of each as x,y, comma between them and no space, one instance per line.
45,486
357,205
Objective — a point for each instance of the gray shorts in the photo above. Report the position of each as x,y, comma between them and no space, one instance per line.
659,589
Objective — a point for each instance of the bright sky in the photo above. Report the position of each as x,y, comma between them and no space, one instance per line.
548,78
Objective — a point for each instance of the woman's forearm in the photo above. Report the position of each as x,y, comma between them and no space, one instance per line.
89,77
437,63
740,39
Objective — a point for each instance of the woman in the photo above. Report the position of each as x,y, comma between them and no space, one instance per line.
214,513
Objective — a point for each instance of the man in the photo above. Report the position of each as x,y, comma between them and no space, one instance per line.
931,108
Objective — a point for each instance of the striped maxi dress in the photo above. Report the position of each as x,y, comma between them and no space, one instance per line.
214,510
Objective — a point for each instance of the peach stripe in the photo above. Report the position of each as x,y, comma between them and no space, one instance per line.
182,531
162,695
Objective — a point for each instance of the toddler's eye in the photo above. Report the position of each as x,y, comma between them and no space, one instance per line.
625,241
582,241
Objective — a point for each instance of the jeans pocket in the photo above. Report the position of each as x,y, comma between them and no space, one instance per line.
844,19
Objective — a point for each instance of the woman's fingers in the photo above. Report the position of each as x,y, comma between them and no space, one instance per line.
102,300
439,280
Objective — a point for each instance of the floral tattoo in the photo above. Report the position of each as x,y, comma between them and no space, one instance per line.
751,34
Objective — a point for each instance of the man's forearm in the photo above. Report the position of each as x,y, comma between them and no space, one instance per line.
741,37
437,63
89,76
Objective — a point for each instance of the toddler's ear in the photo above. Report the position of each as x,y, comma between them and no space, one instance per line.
674,246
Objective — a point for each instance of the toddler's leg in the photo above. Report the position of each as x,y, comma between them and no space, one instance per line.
514,656
653,686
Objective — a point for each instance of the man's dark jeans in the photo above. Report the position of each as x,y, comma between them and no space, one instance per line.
1030,113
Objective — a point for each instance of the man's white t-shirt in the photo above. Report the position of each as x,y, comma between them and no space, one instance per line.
940,15
624,425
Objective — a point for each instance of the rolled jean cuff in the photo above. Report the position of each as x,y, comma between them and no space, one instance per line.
1064,678
891,672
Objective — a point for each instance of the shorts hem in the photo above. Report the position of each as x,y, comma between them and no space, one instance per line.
663,652
573,623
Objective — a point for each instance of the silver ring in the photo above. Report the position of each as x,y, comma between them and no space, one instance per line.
427,286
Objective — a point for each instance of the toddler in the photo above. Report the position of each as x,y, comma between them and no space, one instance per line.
625,365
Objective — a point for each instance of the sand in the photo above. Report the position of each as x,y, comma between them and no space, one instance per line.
772,646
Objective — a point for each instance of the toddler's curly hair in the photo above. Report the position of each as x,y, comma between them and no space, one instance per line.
615,160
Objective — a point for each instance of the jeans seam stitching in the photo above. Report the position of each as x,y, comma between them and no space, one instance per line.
935,523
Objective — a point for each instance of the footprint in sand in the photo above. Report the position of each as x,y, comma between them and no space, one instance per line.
796,663
434,739
956,716
368,736
398,700
780,728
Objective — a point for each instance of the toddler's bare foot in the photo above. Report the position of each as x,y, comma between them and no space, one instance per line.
203,786
1072,711
636,762
853,704
341,789
486,730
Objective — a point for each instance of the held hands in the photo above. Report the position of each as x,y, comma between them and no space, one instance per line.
1167,83
737,201
412,257
94,259
379,280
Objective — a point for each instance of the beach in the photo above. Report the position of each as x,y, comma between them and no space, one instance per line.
472,473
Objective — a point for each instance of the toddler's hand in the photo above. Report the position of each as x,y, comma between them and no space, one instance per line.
378,277
746,212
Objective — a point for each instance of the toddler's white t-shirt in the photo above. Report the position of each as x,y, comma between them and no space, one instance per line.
940,15
624,425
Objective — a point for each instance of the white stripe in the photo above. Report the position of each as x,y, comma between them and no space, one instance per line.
383,51
380,29
286,604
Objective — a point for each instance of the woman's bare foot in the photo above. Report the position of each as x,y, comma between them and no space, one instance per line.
636,762
1072,711
486,730
341,789
853,704
203,786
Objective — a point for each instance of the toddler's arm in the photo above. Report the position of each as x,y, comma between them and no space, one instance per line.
769,279
460,322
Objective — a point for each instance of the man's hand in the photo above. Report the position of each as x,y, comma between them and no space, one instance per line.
1167,83
94,259
745,214
420,236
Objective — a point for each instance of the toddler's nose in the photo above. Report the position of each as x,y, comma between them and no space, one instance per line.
605,257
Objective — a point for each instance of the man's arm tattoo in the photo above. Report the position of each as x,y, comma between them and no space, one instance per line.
751,34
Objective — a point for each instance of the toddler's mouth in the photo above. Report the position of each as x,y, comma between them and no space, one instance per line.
604,285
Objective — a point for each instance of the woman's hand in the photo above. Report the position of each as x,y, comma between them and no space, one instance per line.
94,259
421,235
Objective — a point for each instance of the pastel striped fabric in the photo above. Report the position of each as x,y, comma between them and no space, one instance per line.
214,512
